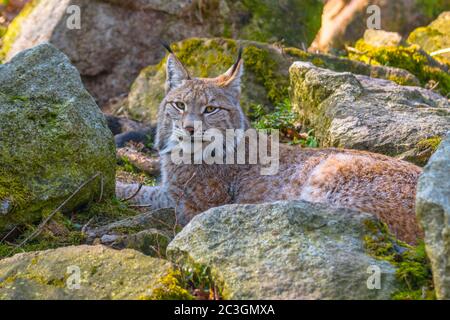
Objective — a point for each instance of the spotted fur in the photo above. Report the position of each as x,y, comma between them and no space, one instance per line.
359,180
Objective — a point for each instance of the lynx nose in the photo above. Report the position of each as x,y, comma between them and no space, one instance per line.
189,129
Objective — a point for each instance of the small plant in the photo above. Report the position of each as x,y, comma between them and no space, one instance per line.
170,287
411,262
192,281
283,118
306,140
286,121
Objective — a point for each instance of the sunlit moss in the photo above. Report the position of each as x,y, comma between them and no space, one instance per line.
410,58
413,269
169,287
294,21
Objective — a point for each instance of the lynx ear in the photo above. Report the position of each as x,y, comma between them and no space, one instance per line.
176,73
175,70
232,78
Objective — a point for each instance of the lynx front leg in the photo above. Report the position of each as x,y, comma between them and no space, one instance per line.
155,197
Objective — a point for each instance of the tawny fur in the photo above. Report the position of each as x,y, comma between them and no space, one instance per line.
359,180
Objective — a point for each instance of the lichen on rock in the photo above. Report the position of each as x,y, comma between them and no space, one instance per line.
103,274
284,250
433,212
434,37
266,78
53,137
412,58
358,112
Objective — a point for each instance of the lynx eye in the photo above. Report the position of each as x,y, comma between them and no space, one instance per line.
179,105
210,109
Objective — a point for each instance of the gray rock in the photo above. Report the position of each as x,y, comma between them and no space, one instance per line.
359,112
151,242
149,232
119,38
284,250
433,212
380,38
161,219
434,37
104,274
211,57
53,137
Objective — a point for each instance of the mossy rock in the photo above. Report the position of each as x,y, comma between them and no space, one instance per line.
119,38
284,250
413,268
433,213
266,75
294,21
358,112
104,274
434,37
411,58
148,232
53,138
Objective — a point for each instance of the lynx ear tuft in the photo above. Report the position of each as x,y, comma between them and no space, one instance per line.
232,78
176,73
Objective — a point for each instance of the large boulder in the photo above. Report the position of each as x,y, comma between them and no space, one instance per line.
53,138
430,72
266,76
434,37
149,232
103,274
344,21
116,39
285,250
433,212
358,112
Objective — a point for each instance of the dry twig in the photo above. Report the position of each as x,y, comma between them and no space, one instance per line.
41,226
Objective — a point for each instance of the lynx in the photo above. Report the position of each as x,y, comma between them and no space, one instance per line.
368,182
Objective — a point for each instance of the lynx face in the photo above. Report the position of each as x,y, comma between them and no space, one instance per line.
195,106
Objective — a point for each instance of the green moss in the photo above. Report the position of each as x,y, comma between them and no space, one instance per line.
11,189
210,58
294,21
35,171
347,65
2,31
413,269
283,118
424,150
58,283
410,58
431,8
170,287
429,144
266,71
63,231
434,37
109,209
13,30
197,278
59,232
207,58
